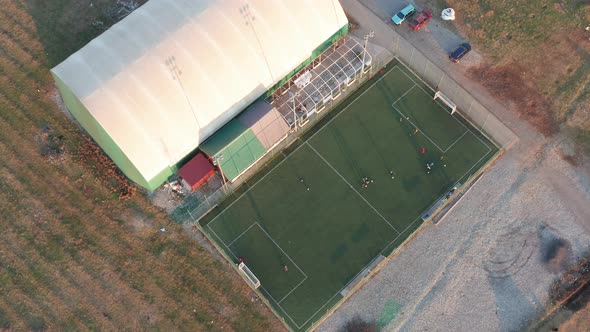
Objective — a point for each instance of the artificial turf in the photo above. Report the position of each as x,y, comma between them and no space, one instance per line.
312,213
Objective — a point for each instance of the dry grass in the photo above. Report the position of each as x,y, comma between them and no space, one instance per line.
73,256
541,46
578,321
506,83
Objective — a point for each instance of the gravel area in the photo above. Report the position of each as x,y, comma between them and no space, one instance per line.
490,264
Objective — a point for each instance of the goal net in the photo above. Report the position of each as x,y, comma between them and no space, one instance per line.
446,100
248,275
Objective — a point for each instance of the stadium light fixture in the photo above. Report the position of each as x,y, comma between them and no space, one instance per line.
249,19
176,73
367,36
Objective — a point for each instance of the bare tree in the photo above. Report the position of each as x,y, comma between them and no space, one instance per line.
126,7
357,324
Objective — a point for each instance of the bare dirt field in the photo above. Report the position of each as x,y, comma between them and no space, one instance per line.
578,321
496,261
81,249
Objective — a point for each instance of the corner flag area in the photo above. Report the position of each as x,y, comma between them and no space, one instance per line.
317,218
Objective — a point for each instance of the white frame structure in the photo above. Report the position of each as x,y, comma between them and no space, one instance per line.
248,275
337,68
446,100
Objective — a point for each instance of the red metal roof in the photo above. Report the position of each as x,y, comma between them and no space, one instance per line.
197,171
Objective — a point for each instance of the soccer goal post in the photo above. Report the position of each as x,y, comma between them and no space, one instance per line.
248,275
446,100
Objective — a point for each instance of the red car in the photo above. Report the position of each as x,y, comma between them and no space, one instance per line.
419,20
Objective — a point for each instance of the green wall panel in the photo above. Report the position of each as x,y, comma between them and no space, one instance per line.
100,136
235,147
244,151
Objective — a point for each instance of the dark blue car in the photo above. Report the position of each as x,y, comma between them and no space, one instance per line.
460,52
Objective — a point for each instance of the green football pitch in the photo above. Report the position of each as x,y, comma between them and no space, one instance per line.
311,210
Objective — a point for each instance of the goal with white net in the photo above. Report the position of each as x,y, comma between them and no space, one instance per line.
446,100
248,275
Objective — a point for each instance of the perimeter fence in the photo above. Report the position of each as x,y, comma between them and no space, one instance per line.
199,203
467,105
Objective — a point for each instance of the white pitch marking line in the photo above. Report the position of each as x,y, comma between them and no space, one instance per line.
305,277
420,214
464,126
477,162
289,156
389,244
405,93
272,298
281,249
239,236
230,251
281,307
292,290
439,104
426,92
381,252
399,234
352,102
351,187
455,142
249,188
423,132
299,147
338,292
277,245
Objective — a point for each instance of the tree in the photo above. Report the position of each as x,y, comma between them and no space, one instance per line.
357,324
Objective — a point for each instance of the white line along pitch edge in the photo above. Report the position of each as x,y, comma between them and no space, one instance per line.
351,187
439,104
422,131
239,236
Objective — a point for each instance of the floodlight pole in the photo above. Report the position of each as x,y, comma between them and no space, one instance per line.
367,36
216,161
176,73
249,20
295,94
294,115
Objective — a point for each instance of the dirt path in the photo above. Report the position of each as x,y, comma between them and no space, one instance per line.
490,265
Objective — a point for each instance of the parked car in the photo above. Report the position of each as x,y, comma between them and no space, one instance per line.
419,20
459,52
406,12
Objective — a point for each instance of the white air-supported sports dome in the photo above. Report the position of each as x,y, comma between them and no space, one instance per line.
154,86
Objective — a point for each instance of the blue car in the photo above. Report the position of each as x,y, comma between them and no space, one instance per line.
406,12
460,52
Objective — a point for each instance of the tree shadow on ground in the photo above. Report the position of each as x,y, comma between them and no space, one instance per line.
513,307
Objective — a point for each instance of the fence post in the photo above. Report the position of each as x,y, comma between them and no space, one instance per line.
440,81
484,122
470,105
191,215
